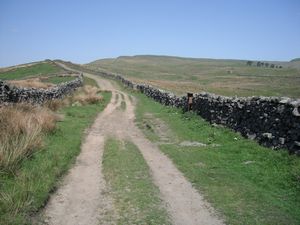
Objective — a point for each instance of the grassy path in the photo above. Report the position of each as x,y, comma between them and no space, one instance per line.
136,198
182,201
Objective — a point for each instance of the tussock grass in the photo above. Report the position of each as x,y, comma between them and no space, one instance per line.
21,130
88,95
56,104
23,125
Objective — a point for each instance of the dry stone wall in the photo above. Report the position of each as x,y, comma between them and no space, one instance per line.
273,122
12,94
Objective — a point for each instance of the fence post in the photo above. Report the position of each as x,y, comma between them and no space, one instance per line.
190,100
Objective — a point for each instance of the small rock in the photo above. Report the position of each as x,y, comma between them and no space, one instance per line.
267,135
295,103
281,140
251,136
296,111
284,100
280,108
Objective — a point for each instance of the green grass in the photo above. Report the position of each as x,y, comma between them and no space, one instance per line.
58,80
40,69
135,196
225,77
25,192
247,183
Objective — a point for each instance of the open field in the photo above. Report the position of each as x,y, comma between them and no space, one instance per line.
225,77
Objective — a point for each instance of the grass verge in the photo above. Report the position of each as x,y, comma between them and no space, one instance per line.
26,191
247,183
136,198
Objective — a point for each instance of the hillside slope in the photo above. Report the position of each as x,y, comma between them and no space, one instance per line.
225,77
35,69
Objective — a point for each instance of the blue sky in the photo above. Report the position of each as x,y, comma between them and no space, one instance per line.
83,31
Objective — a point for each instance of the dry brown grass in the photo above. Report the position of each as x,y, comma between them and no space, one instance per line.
22,125
88,95
31,83
21,130
56,104
85,95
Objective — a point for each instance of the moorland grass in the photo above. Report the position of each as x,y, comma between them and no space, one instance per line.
135,196
21,129
247,183
225,77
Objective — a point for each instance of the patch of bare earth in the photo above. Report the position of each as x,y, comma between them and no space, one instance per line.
84,196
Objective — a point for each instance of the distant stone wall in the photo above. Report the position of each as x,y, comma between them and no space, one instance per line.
12,94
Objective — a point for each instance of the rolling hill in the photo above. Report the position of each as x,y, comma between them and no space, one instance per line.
220,76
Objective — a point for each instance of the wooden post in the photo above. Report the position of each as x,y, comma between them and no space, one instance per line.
190,101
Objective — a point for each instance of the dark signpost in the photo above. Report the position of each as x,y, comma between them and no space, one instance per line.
190,101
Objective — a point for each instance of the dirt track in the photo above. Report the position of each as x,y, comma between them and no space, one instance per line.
83,197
